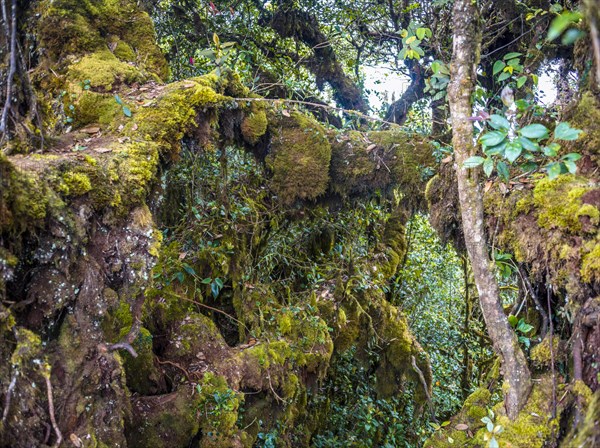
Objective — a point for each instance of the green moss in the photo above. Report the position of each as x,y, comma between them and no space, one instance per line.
70,27
75,184
299,159
588,431
590,264
541,356
141,374
254,126
124,52
558,202
104,71
175,113
173,420
533,427
97,108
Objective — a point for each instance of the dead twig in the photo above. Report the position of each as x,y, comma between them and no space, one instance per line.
11,388
277,397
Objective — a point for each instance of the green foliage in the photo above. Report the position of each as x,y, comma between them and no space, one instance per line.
529,147
522,328
492,430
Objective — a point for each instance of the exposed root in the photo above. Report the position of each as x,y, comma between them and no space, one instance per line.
51,411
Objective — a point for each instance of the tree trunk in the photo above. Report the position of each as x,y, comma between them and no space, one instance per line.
465,56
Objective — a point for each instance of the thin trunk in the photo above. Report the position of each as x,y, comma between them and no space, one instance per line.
465,56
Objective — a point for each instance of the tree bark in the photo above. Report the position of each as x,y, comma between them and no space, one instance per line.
467,39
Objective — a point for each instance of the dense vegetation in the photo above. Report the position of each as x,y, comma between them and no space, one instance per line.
209,237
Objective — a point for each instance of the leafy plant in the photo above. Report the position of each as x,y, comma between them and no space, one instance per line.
218,53
522,329
506,144
126,110
412,37
492,430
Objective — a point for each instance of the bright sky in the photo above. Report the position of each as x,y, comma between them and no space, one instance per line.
386,82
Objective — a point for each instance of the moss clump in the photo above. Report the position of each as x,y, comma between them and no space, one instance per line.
75,184
220,406
540,354
558,202
124,52
299,159
473,410
254,126
590,264
104,71
533,427
588,431
141,373
92,107
76,27
175,112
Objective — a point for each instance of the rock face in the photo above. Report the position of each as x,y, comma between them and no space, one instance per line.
143,338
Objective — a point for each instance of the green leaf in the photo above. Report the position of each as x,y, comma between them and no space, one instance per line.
499,122
127,111
421,33
498,66
503,76
570,166
214,289
571,36
189,269
572,157
492,138
503,171
521,81
513,320
118,100
561,23
553,169
473,161
488,166
486,420
490,426
513,151
511,56
524,328
528,145
551,150
493,443
565,132
219,282
535,130
207,280
497,150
